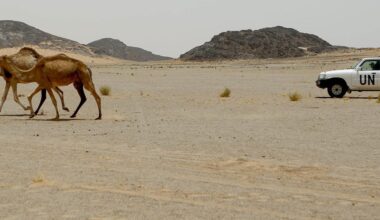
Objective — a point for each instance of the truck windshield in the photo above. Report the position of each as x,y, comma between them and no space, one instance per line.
355,65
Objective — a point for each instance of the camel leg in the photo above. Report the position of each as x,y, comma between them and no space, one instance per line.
6,90
90,87
37,90
15,97
51,94
83,99
60,94
43,98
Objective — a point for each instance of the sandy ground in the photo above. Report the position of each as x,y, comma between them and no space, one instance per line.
170,148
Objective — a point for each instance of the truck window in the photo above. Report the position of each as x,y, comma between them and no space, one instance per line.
370,65
377,65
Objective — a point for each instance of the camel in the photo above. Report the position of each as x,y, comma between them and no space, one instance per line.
26,58
50,72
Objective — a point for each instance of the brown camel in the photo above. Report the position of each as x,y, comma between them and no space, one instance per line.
50,72
25,59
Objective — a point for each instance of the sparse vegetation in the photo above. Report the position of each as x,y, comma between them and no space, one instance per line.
105,90
226,93
294,96
38,179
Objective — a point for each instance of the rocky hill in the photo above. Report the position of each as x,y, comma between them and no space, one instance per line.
276,42
17,34
116,48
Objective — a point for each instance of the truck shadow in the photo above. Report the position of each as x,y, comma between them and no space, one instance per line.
349,97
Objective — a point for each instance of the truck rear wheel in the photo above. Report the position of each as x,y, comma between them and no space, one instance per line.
337,89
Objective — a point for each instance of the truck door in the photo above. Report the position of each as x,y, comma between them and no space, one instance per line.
368,76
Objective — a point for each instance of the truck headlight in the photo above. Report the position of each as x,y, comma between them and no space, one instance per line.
322,76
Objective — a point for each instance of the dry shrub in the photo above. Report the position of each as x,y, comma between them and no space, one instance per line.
39,179
226,93
105,90
294,96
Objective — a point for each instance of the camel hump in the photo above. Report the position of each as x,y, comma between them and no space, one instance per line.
62,55
62,58
62,61
25,58
29,51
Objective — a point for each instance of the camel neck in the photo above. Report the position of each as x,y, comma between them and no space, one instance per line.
22,76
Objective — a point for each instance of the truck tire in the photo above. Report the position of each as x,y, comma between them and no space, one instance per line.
337,89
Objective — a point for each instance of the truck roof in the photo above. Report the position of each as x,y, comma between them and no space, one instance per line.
372,58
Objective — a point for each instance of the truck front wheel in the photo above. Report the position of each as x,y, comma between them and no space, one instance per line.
337,89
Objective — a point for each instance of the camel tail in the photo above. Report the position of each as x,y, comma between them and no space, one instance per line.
89,70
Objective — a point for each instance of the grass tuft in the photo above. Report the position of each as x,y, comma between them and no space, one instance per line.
105,90
294,96
226,93
38,179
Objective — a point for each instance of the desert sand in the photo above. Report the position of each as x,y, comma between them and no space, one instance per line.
170,148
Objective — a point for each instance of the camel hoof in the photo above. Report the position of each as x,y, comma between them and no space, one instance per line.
98,118
28,108
55,119
32,116
66,109
73,116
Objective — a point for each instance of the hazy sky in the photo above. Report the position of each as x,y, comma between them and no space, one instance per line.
172,27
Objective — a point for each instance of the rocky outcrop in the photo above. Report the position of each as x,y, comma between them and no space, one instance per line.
116,48
17,34
276,42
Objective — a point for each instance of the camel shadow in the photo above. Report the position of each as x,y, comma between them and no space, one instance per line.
46,119
14,115
58,120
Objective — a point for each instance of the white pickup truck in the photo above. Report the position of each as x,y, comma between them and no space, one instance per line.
364,76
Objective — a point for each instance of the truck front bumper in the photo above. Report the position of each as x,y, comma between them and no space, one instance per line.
321,83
